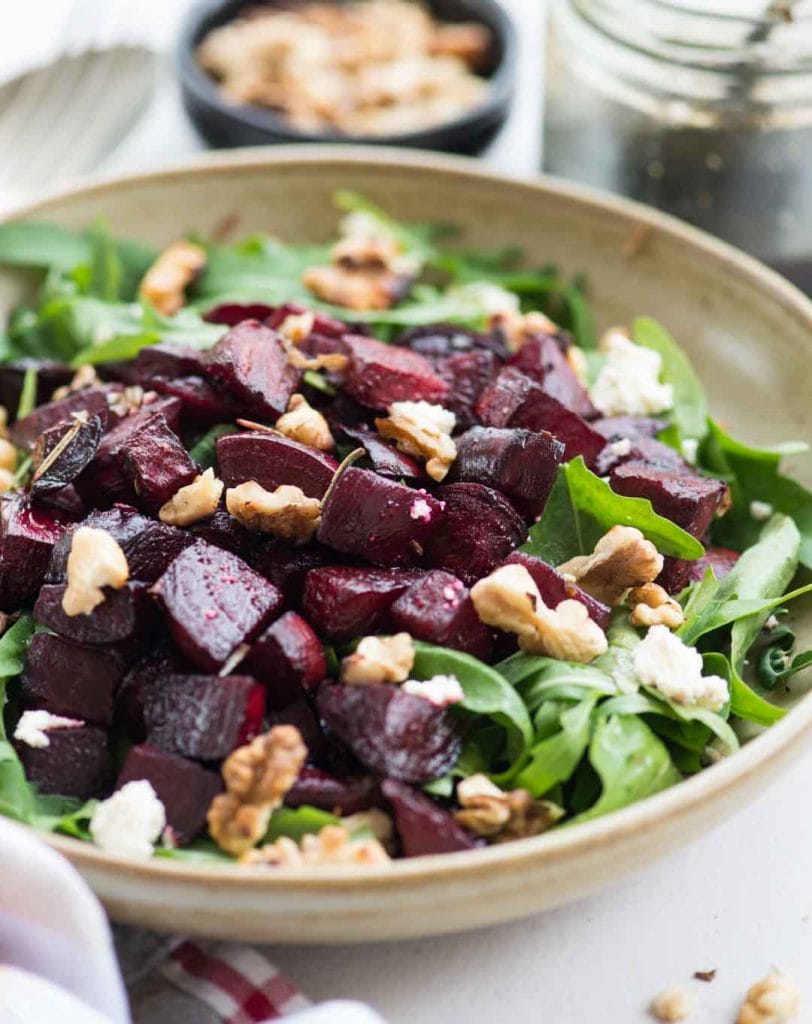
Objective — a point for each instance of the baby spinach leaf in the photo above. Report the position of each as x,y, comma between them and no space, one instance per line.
690,412
16,793
554,758
616,661
297,822
204,450
744,701
28,393
64,815
29,244
199,851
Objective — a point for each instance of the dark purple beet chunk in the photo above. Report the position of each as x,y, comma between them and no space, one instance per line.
148,545
554,588
542,359
390,732
204,717
73,764
251,365
63,468
378,519
167,360
342,602
203,405
301,714
679,572
646,450
686,499
385,459
340,796
66,500
498,403
27,542
480,528
156,463
67,679
616,428
287,658
380,374
272,460
544,412
520,463
439,340
285,566
467,375
233,313
214,603
50,376
422,825
438,609
131,696
322,324
224,531
93,401
184,788
122,618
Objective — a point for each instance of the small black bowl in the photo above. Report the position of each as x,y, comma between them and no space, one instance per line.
224,124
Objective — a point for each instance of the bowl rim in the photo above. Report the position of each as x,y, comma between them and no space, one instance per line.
501,85
755,756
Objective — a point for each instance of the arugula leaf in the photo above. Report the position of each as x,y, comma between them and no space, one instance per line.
744,701
28,393
554,758
690,412
16,793
582,508
204,450
64,815
35,245
106,268
297,822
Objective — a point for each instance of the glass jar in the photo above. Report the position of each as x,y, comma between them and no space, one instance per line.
699,107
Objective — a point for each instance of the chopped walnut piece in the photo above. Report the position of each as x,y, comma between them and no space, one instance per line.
297,327
510,600
517,328
195,501
354,289
333,362
672,1004
379,659
622,559
257,777
8,455
422,430
164,283
85,377
502,815
95,561
286,513
652,606
306,425
773,1000
3,421
122,403
332,846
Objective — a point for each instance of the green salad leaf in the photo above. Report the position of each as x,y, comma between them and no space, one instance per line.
555,757
204,450
690,412
295,822
16,794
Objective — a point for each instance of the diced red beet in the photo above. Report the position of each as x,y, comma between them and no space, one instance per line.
214,602
544,412
616,428
440,340
301,714
541,358
285,566
50,376
385,459
480,528
555,588
424,827
689,500
204,717
342,602
148,545
287,658
391,732
162,661
122,618
93,401
503,397
167,360
340,796
272,460
184,788
252,366
203,405
520,463
156,463
645,450
467,374
721,560
75,762
67,679
233,313
29,534
322,324
66,500
437,608
380,374
65,466
224,531
378,519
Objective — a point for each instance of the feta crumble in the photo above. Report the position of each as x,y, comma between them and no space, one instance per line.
620,448
664,662
690,450
130,822
420,510
761,510
439,690
34,726
628,383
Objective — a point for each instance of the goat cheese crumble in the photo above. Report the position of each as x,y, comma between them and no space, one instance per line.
664,662
621,448
761,510
130,822
34,726
628,383
439,690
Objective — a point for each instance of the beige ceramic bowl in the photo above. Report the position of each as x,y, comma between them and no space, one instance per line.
749,334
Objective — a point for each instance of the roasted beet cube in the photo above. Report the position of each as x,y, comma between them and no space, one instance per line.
66,500
50,376
467,375
162,661
340,796
424,827
380,374
233,313
689,500
122,618
721,560
272,460
520,463
75,762
342,602
440,340
93,401
67,679
77,443
480,528
616,428
285,566
156,463
214,603
224,531
168,361
320,749
204,717
378,519
252,366
287,658
28,537
503,397
385,459
555,588
184,788
542,411
203,405
438,609
391,732
541,358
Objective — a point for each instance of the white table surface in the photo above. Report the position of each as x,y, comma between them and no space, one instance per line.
738,900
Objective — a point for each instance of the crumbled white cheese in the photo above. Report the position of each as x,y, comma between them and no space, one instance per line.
628,383
620,448
761,510
489,298
420,510
34,726
772,622
690,449
663,661
439,690
130,822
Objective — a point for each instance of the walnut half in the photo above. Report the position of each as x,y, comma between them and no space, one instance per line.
501,815
305,424
95,561
622,559
652,606
773,1000
194,502
286,513
422,430
164,283
379,659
